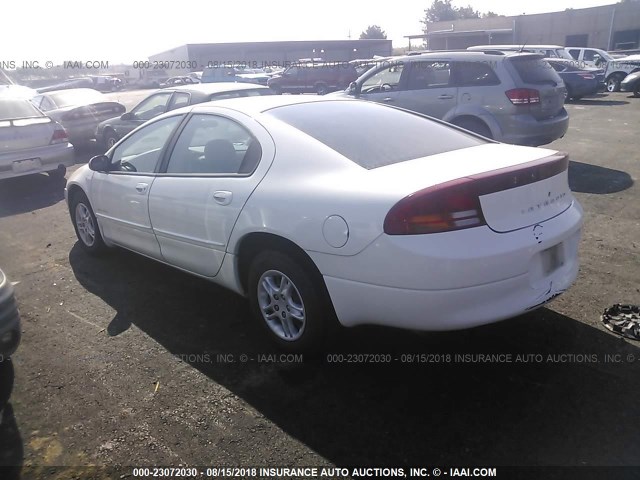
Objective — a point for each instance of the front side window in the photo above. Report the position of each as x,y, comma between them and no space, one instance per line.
384,80
434,74
211,144
152,106
141,151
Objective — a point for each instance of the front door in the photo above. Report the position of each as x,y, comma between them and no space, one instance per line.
120,197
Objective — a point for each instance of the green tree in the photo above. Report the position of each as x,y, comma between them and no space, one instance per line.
467,12
373,31
440,11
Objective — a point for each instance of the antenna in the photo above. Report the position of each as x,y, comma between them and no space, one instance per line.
523,45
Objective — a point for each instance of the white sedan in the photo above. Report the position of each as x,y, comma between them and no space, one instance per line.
318,209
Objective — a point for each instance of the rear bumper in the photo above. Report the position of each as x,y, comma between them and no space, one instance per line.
459,281
527,130
50,156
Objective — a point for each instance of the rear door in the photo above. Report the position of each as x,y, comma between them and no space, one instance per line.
533,72
216,163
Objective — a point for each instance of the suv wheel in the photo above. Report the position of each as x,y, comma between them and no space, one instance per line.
474,125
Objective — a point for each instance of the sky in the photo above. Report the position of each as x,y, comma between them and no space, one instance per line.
122,31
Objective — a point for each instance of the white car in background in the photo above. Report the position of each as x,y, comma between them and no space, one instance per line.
313,207
31,142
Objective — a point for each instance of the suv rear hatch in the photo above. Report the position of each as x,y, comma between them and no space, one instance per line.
540,89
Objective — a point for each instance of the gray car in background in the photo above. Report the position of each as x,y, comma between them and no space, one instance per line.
510,97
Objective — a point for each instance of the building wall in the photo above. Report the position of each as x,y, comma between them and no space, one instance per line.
260,54
599,27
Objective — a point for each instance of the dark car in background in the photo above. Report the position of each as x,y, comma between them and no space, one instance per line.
9,319
110,131
312,77
631,83
579,82
78,110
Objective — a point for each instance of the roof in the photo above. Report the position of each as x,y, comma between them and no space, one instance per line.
219,87
257,105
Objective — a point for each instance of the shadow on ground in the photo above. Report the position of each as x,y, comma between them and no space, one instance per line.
600,100
586,178
11,449
29,193
549,410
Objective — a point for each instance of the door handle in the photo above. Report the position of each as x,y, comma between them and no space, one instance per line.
388,99
445,97
142,187
223,197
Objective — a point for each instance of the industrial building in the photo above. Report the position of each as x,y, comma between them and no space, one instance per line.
608,27
261,54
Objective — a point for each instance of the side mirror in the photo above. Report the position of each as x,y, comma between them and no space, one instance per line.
126,116
100,163
353,89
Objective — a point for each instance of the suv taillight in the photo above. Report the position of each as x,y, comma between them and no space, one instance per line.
450,206
59,136
587,76
523,96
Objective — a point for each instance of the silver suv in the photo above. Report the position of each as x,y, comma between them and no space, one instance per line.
510,97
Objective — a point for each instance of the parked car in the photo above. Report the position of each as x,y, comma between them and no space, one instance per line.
618,69
71,83
110,131
311,77
631,83
105,83
79,110
17,91
31,142
305,205
513,97
579,82
177,81
589,57
219,74
548,51
9,320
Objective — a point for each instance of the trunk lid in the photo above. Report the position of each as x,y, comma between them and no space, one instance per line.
22,126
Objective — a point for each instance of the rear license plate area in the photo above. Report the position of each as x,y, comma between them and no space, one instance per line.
551,259
21,166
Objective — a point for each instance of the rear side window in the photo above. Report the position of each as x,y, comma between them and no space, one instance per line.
373,135
13,109
474,74
536,71
429,75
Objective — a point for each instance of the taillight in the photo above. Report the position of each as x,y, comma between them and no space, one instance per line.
455,205
449,206
59,136
523,96
587,76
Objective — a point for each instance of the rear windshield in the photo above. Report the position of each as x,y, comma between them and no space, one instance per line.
535,70
373,135
13,109
76,97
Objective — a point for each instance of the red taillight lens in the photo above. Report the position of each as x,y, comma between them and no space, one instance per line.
587,76
59,136
523,96
450,206
455,205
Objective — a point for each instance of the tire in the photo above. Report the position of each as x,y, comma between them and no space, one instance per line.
297,321
474,125
109,138
613,83
58,174
85,224
321,89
